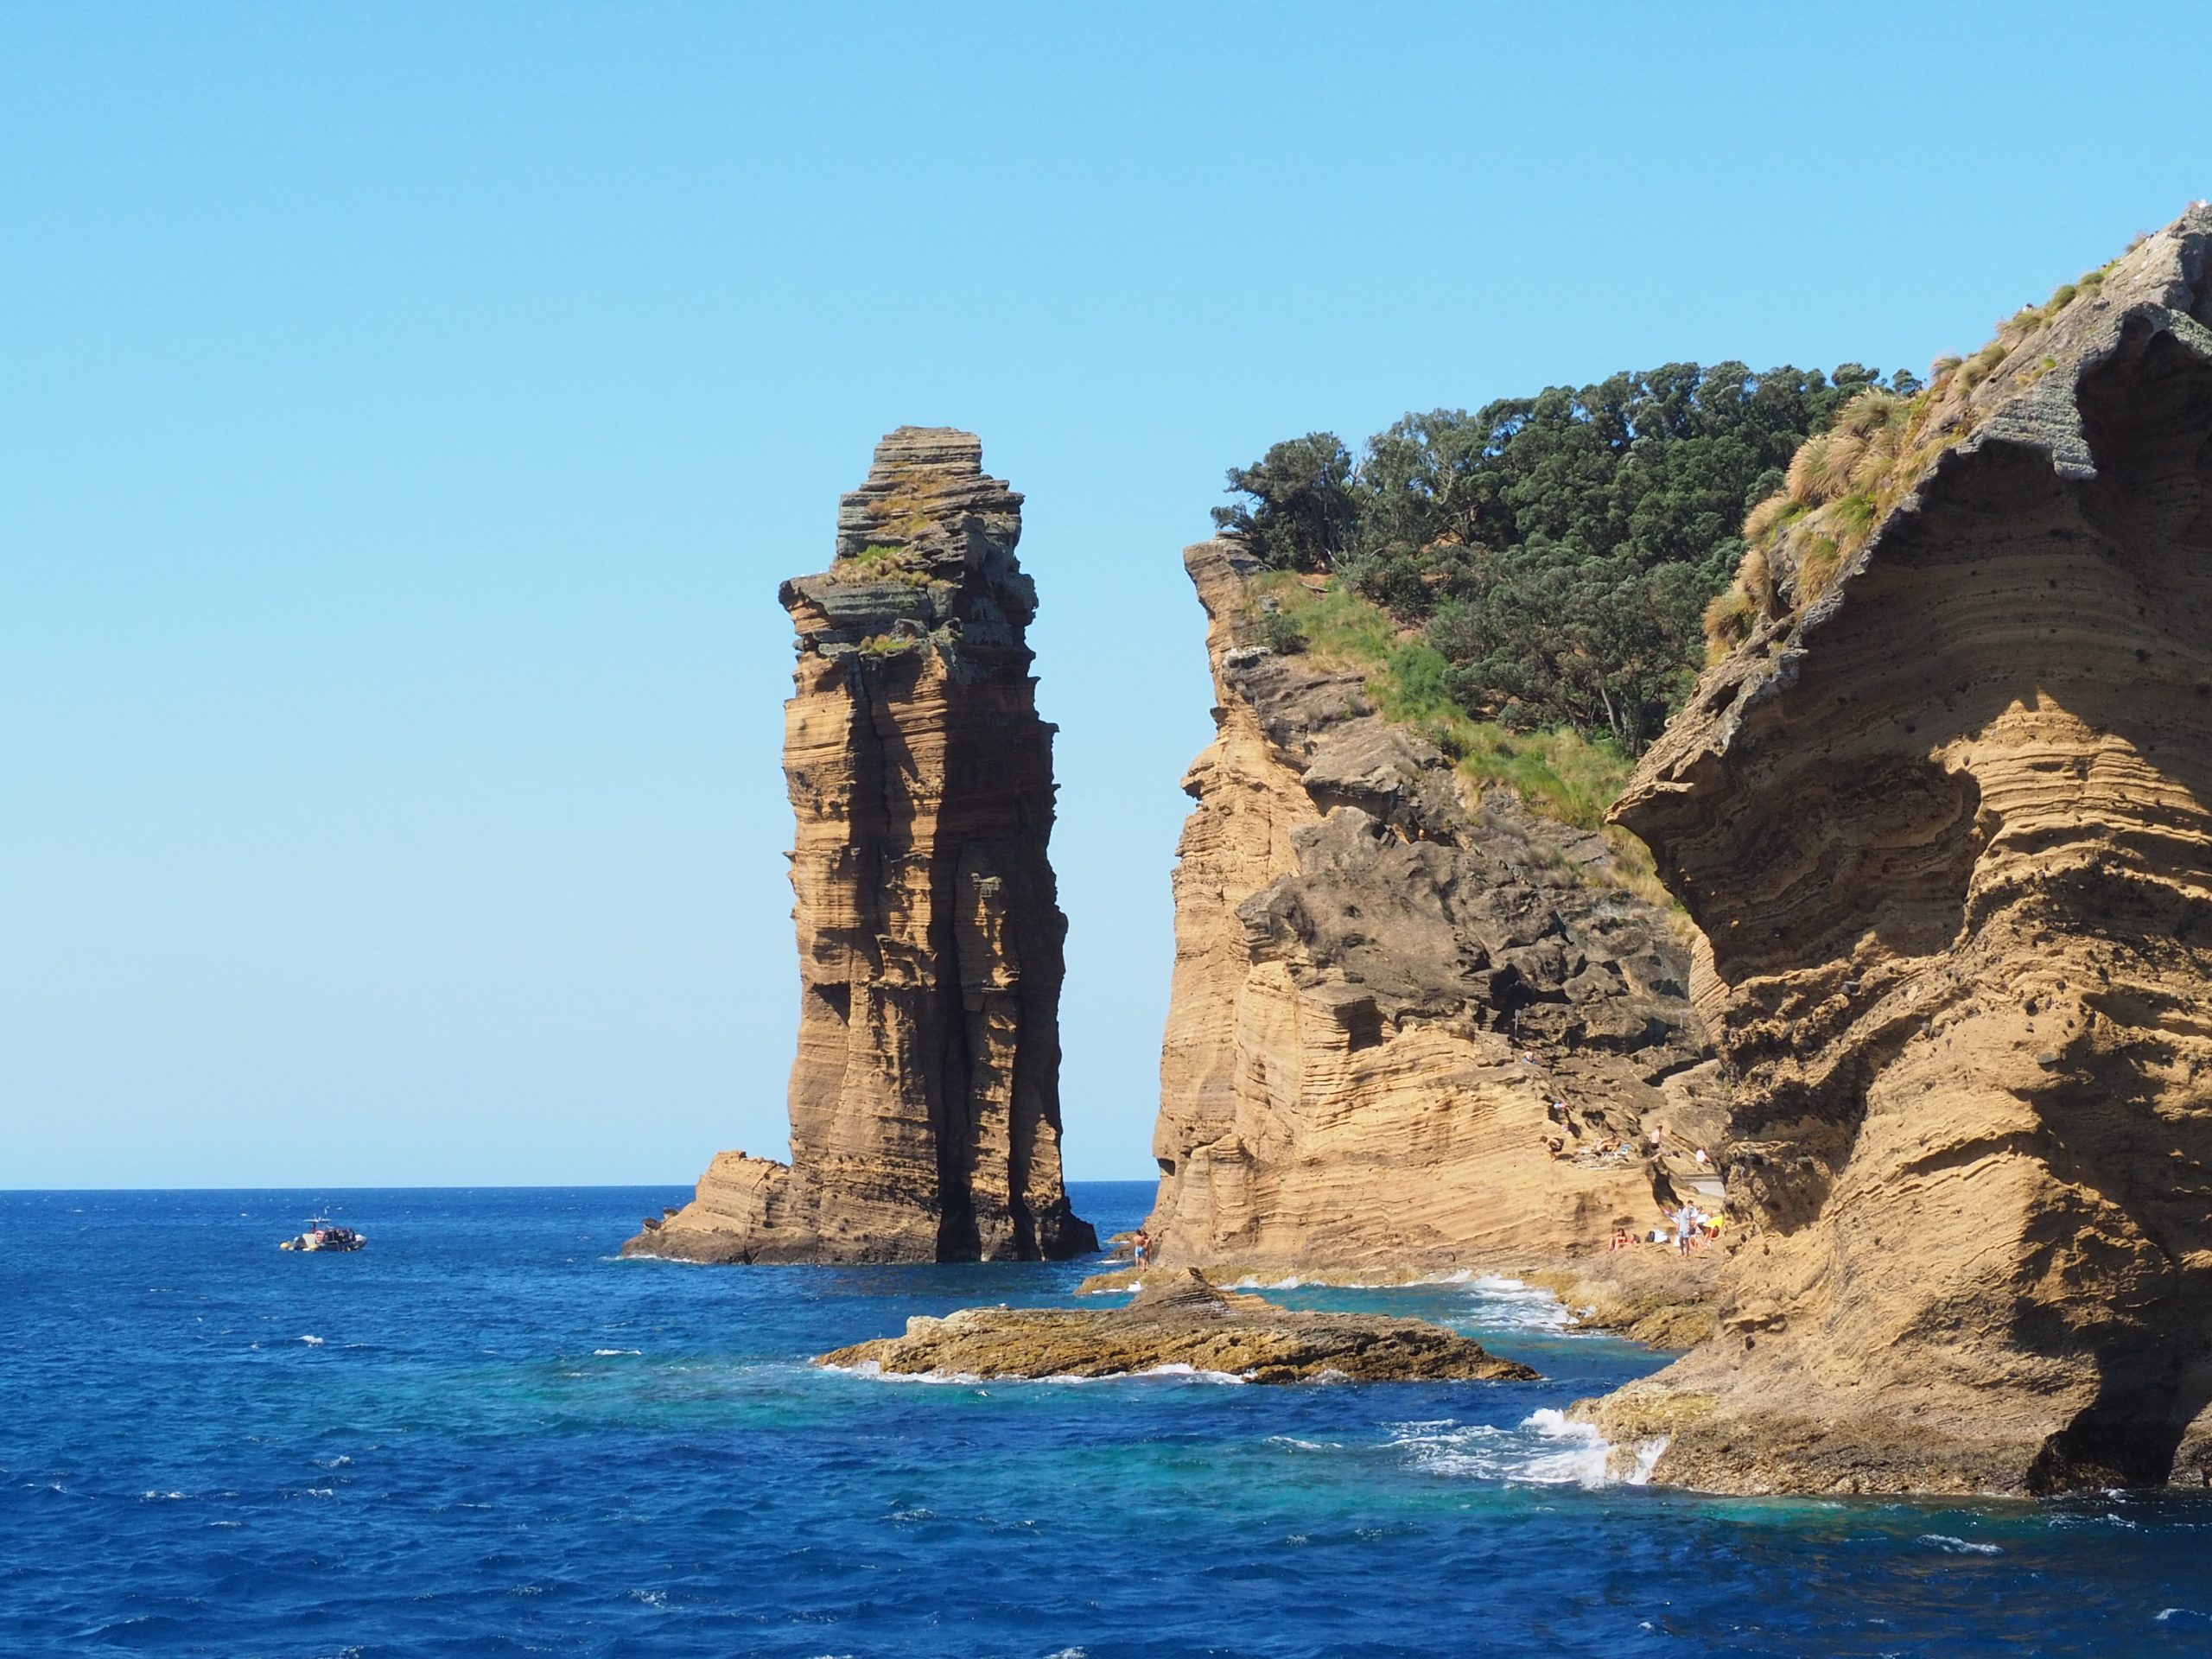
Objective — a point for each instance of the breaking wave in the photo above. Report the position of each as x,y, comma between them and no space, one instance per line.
1546,1448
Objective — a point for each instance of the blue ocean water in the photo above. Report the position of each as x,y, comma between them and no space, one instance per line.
485,1434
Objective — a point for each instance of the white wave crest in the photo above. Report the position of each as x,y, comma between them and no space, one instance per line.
1944,1541
312,1342
1190,1371
614,1353
874,1372
873,1369
1508,1305
1544,1449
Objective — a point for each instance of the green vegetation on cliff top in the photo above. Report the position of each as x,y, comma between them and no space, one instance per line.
1844,480
1535,586
1561,774
1539,571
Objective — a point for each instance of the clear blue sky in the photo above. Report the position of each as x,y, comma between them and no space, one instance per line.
407,412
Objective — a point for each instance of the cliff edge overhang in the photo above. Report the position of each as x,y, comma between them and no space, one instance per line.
1941,821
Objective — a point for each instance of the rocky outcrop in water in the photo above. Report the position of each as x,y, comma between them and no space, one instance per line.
1385,988
1177,1319
1943,820
925,1100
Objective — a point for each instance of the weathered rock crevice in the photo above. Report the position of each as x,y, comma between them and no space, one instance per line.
925,1101
1389,990
1945,829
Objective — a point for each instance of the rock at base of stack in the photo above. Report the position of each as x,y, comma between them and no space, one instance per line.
924,1099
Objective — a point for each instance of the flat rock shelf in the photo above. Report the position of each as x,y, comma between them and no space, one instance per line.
1181,1321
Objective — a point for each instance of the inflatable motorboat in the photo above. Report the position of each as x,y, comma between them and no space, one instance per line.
324,1235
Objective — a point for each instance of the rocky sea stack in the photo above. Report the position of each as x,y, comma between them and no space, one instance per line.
1940,810
925,1100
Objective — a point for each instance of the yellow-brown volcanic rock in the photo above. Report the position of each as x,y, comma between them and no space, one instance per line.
1178,1320
1381,990
924,1099
1945,829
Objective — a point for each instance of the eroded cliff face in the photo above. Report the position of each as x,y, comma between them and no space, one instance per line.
1382,988
924,1099
1945,827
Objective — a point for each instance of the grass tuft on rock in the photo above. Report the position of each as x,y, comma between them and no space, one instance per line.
1569,777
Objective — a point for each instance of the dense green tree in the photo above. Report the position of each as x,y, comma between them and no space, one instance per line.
1303,513
1559,549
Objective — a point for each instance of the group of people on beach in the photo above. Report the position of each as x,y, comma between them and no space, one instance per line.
1609,1146
1691,1228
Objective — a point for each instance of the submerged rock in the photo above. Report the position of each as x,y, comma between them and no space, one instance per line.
924,1099
1944,816
1179,1319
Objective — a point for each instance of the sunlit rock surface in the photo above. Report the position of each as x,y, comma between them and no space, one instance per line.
924,1099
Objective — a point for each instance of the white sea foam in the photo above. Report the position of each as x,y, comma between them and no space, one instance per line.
1544,1449
612,1353
312,1342
1190,1371
2165,1613
161,1497
1297,1445
1951,1546
873,1369
1510,1305
1647,1459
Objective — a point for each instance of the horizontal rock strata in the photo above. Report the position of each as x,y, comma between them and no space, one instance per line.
1945,827
1383,989
924,1099
1179,1319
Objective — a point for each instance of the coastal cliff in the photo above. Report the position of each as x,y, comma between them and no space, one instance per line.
925,1098
1940,811
1391,988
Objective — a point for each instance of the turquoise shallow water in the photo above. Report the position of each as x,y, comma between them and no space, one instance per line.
485,1435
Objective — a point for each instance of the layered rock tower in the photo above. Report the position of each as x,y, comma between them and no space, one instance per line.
1945,819
924,1099
1386,982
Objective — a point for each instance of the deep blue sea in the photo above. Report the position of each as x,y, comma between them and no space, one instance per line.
484,1434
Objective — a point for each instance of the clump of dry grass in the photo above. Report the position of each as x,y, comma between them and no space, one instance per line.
1843,482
